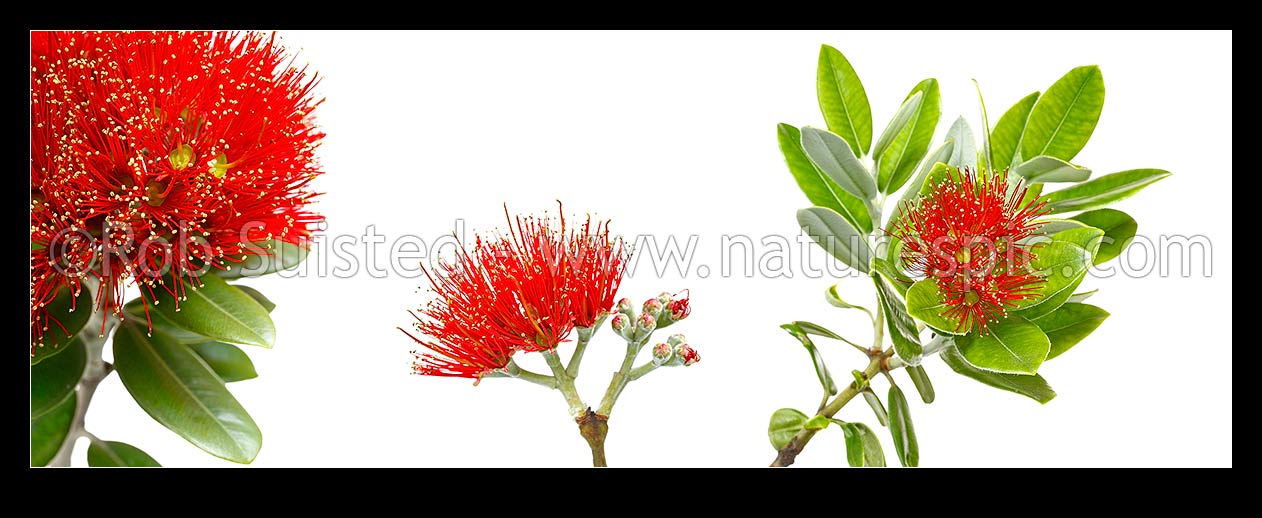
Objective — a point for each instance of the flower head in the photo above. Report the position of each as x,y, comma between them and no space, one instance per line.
967,235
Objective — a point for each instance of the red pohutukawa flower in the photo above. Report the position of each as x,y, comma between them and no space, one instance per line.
162,148
523,291
966,234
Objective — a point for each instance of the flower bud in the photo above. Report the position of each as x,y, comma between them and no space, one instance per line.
688,354
653,307
676,339
646,324
665,298
680,309
625,306
622,325
661,354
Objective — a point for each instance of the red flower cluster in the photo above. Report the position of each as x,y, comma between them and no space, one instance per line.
525,291
157,149
966,235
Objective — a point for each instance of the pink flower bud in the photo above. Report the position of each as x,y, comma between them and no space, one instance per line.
661,354
676,339
688,354
653,306
647,323
620,321
624,306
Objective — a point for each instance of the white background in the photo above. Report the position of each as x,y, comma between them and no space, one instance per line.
673,133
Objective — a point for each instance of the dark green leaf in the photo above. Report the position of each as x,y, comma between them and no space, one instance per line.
878,409
821,370
1033,387
1102,190
114,454
902,430
902,329
832,156
821,190
49,430
267,257
55,378
895,164
1046,169
836,236
1063,119
66,316
862,446
1069,324
219,311
842,100
258,297
1119,230
920,378
785,423
228,361
182,393
1007,134
1013,345
135,310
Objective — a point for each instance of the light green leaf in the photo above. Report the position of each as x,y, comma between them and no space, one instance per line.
785,423
925,303
818,422
114,454
902,330
49,430
920,378
874,402
1069,324
1082,297
897,160
983,158
1007,134
964,152
1013,345
902,430
1102,190
900,281
832,156
181,392
228,361
67,314
55,378
901,119
939,173
835,300
1063,119
1062,264
1119,230
842,100
912,193
821,190
266,257
862,446
1031,386
836,236
1051,226
219,311
1047,169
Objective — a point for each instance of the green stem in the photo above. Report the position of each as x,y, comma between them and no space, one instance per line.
640,371
564,383
584,336
786,455
512,370
620,379
96,370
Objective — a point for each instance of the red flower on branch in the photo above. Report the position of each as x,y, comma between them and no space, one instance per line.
966,235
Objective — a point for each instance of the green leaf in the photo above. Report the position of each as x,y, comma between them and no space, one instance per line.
843,101
983,158
821,370
939,173
1086,237
1033,387
1007,134
878,409
901,119
135,309
1052,226
912,192
258,297
1102,190
53,380
266,257
832,156
1119,230
818,422
862,446
902,430
964,152
821,190
1047,169
49,430
1081,297
1013,345
836,236
834,299
219,311
902,329
920,378
114,454
1062,264
181,392
1063,118
900,281
67,314
903,151
228,361
1069,324
925,303
785,423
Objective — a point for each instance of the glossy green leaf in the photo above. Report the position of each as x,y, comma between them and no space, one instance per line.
49,430
181,392
785,423
1063,119
1086,237
821,190
912,193
1119,230
900,281
258,297
219,311
862,446
836,236
1082,297
1102,190
135,310
67,314
55,378
1051,226
1007,134
920,378
1031,386
983,158
265,257
114,454
835,300
1069,324
817,359
901,119
818,422
925,303
901,329
1046,169
1062,265
878,409
901,428
1012,345
964,152
1032,192
842,100
939,173
832,156
228,361
895,164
